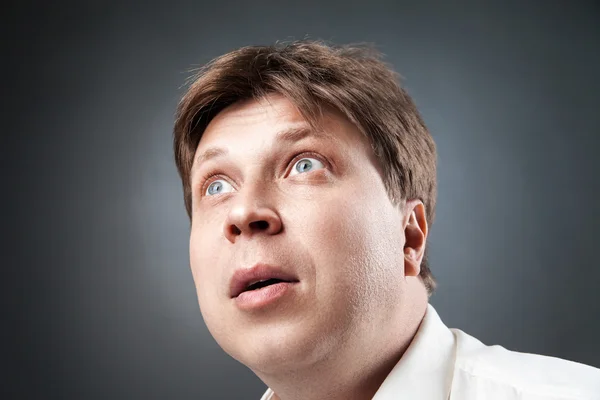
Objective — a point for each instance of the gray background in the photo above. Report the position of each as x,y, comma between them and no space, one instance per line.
100,302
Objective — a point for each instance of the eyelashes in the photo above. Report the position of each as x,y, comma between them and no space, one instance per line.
318,162
208,179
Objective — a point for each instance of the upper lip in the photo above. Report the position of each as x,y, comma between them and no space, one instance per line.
244,277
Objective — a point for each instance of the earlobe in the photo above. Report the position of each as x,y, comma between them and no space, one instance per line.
415,235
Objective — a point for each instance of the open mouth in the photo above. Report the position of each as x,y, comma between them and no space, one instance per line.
262,284
258,277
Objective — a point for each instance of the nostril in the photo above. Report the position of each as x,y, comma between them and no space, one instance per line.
235,230
259,225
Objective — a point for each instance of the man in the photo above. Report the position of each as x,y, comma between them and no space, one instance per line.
310,181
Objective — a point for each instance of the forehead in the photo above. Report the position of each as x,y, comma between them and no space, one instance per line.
259,120
271,111
257,126
254,122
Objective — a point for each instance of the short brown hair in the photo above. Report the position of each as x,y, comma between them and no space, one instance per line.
352,78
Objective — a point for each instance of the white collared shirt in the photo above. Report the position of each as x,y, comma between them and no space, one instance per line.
443,363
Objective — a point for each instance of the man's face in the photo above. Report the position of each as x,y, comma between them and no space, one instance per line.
272,197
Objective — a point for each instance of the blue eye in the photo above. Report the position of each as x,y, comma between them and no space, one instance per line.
306,165
217,187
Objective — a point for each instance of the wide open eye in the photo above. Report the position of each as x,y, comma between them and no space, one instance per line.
306,165
217,187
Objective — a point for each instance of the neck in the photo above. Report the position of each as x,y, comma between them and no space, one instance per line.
358,369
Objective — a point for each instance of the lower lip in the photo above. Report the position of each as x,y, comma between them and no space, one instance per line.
259,298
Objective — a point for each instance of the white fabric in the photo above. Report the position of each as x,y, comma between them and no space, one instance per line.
443,363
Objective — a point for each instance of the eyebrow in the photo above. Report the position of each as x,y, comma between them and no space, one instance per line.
290,135
297,133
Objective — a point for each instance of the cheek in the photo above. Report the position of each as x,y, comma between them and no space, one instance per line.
208,282
355,241
204,258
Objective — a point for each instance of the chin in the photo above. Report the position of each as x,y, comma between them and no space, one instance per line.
282,347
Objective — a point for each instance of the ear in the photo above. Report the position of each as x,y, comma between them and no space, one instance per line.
415,236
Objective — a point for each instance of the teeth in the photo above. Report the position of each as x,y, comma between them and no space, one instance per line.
255,282
262,283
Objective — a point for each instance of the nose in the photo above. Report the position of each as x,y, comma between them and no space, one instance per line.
249,216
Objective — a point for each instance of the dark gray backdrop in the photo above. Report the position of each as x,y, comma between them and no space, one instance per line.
101,303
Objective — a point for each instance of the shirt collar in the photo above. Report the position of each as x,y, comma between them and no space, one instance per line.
426,368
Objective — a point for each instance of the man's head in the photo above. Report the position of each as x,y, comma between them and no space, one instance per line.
309,163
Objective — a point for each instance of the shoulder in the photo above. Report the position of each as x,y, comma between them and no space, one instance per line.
500,373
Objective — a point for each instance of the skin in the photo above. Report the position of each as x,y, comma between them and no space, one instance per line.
359,300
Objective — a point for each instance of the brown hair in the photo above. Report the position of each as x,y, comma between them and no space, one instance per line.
310,74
